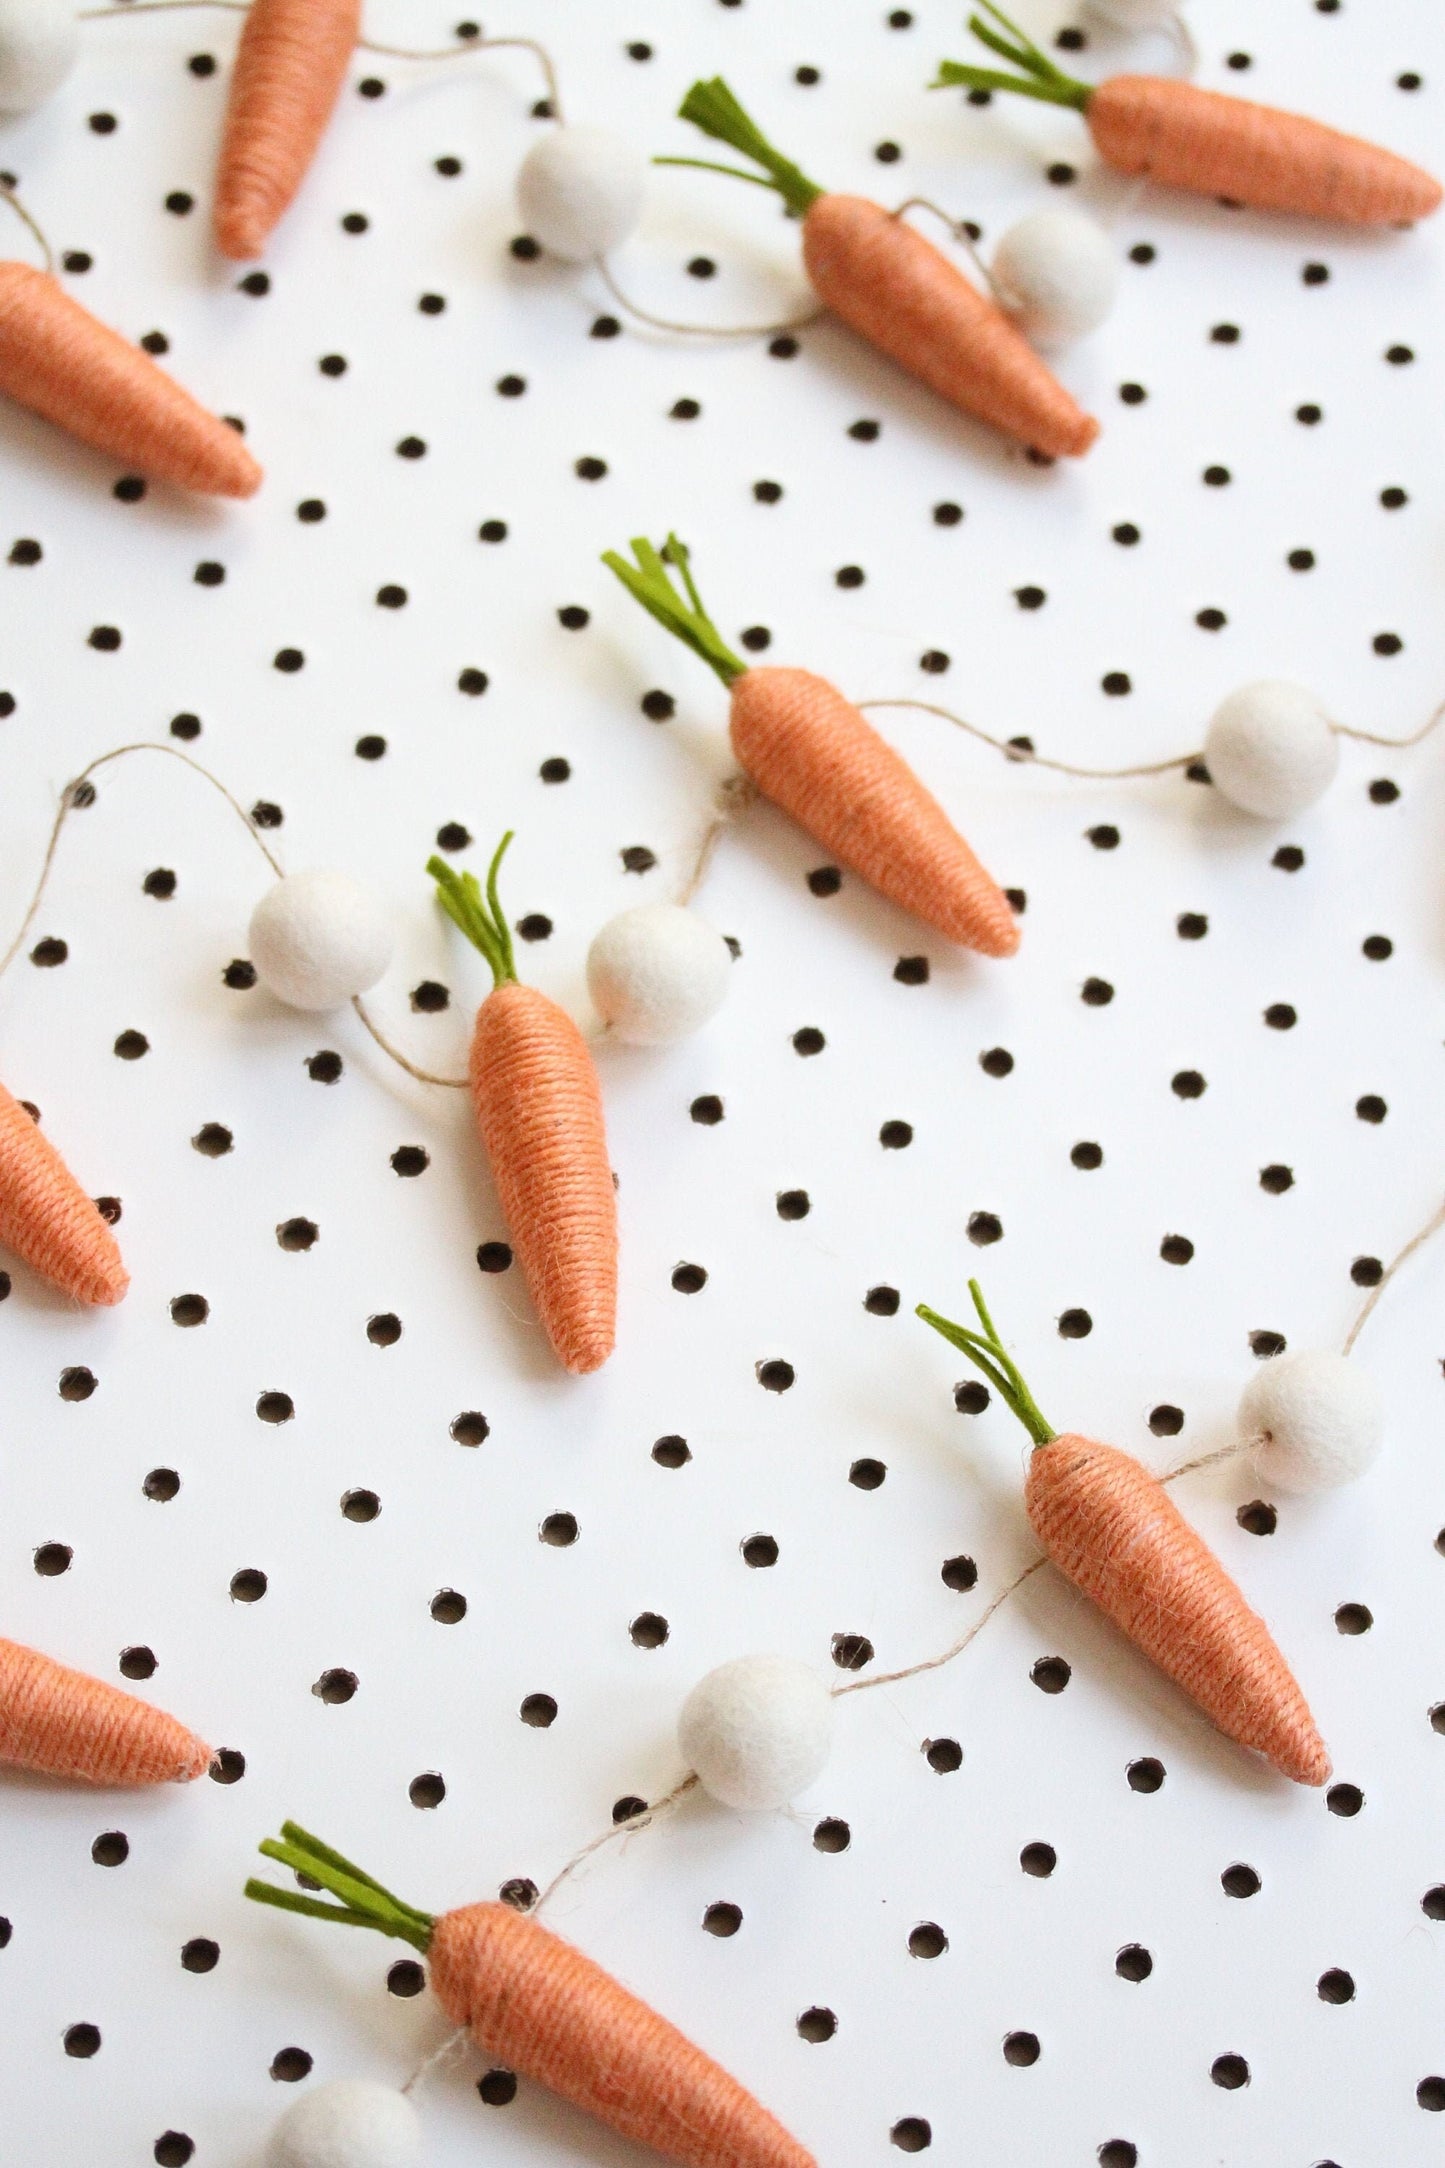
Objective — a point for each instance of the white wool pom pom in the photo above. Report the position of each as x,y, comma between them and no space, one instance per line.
757,1731
657,973
317,938
1135,14
580,191
351,2123
1317,1417
1270,749
1056,274
39,45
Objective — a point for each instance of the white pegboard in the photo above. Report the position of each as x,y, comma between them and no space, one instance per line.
1129,2060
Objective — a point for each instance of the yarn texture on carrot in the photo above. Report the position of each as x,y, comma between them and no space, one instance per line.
539,1108
63,1723
1113,1530
47,1218
65,365
1209,143
813,754
541,2007
290,66
902,294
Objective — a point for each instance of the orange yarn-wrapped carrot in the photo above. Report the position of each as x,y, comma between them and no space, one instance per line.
896,289
290,66
1212,144
46,1217
539,1109
63,1723
542,2008
812,753
1113,1530
64,364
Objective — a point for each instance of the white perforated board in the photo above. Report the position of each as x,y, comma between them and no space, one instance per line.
1128,2060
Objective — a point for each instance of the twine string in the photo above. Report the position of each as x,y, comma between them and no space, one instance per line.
700,331
26,220
1417,1241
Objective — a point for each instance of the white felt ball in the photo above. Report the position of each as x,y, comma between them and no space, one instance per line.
580,191
1270,749
1135,14
1056,274
757,1730
657,973
39,45
351,2123
317,938
1318,1418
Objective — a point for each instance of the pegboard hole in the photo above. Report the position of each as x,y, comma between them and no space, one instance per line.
82,2041
817,2025
1146,1774
494,1256
290,2065
927,1940
672,1452
1345,1800
1133,1962
448,1607
1051,1674
1230,2072
52,1559
1239,1880
1336,1986
1354,1618
833,1835
470,1428
405,1978
1118,2153
959,1574
77,1383
1257,1518
189,1310
689,1279
248,1586
275,1407
297,1234
944,1756
336,1687
1432,1904
138,1662
559,1529
867,1475
427,1790
111,1848
775,1375
649,1630
970,1397
760,1551
912,2134
383,1330
852,1652
200,1954
1038,1860
498,2088
1021,2050
722,1920
228,1765
360,1506
882,1301
1430,2093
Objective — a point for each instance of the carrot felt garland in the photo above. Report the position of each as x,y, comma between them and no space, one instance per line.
896,289
65,365
63,1723
544,2009
1211,144
1111,1528
539,1108
290,66
47,1218
809,750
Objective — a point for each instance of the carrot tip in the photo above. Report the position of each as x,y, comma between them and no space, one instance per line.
242,231
591,1355
196,1763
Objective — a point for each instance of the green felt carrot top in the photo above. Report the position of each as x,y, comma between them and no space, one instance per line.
480,917
712,107
1039,77
987,1353
647,579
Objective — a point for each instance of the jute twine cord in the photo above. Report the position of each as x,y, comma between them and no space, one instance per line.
65,365
700,331
1417,1241
1024,755
1216,145
1111,1529
63,1723
539,1108
37,231
900,293
811,752
547,2010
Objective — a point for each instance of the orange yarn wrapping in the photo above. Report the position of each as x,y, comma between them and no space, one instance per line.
46,1217
542,2008
896,289
63,1723
539,1108
1111,1528
1221,146
64,364
812,753
290,66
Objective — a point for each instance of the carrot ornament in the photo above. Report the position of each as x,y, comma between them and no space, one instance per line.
65,365
46,1217
290,66
901,294
1112,1529
809,750
544,2009
539,1109
63,1723
1211,144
